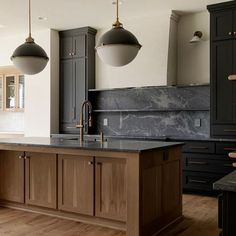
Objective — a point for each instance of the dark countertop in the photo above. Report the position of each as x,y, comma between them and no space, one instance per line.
110,145
227,183
151,138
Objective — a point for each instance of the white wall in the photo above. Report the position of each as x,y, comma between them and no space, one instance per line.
173,50
41,91
41,100
150,66
193,59
10,121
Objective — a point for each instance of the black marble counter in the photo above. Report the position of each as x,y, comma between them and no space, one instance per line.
227,183
110,145
151,138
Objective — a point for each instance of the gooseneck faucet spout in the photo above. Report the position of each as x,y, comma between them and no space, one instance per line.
82,122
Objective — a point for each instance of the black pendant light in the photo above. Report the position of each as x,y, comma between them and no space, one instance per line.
29,57
118,46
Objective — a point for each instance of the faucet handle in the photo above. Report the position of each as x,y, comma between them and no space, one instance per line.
90,121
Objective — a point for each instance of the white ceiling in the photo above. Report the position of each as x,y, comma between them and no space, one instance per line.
67,14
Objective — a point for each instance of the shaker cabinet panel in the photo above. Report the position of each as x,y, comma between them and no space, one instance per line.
222,88
12,176
79,46
76,184
67,93
111,192
222,25
41,180
66,47
80,85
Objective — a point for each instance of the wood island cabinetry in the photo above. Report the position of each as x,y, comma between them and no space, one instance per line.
76,184
12,176
41,179
136,191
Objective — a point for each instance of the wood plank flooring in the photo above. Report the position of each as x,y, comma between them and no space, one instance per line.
200,219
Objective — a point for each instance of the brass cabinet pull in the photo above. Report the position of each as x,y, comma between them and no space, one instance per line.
198,162
234,32
79,126
27,157
90,163
228,165
199,147
232,77
198,181
229,130
21,157
230,33
230,149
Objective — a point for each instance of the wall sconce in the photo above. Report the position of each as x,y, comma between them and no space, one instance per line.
197,37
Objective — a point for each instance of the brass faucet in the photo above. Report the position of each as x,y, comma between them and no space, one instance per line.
81,123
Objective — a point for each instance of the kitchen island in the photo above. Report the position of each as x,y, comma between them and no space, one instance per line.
123,184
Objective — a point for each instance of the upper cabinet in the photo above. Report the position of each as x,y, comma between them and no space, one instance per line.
13,92
1,92
72,47
77,74
223,69
12,89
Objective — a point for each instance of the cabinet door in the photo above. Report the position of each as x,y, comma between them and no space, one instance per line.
12,176
10,92
67,96
172,182
111,192
222,90
80,85
76,184
41,179
222,25
66,47
79,46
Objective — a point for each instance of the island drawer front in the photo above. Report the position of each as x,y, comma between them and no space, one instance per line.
200,181
225,148
199,147
207,163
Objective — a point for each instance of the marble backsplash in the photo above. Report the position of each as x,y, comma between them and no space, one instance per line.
153,111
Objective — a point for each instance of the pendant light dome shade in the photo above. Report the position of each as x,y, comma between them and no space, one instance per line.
30,58
118,47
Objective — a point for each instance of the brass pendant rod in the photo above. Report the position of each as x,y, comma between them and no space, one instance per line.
29,18
117,10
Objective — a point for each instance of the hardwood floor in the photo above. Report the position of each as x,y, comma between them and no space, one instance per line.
200,218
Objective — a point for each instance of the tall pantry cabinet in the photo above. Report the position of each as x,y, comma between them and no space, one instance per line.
77,74
223,69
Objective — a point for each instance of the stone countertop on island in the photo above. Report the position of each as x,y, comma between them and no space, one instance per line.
172,138
227,183
110,145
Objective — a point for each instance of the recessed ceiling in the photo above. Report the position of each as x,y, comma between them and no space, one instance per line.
67,14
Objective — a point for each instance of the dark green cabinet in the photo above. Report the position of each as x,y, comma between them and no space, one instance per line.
77,74
223,65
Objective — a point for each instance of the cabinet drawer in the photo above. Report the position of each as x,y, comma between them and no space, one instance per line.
225,148
199,181
223,130
199,147
206,163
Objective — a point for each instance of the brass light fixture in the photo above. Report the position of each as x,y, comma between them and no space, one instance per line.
118,47
197,37
29,57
